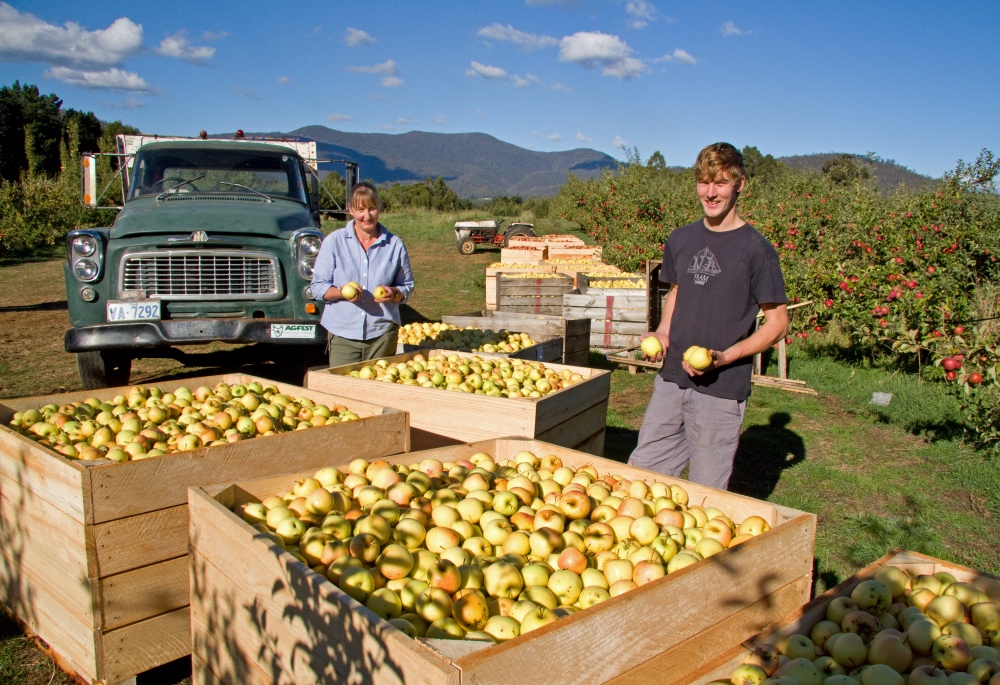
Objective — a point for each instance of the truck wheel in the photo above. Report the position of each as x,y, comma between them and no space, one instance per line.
103,369
515,232
466,246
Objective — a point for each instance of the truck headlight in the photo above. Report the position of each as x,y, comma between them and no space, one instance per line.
309,245
84,244
85,269
306,267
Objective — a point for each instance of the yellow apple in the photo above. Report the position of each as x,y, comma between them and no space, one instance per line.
700,359
651,347
349,291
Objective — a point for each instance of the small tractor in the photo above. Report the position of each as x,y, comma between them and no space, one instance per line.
469,234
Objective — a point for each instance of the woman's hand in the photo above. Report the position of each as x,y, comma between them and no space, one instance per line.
387,293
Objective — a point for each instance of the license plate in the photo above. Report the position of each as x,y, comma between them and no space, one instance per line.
287,330
133,310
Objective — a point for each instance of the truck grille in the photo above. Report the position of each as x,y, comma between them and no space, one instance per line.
199,274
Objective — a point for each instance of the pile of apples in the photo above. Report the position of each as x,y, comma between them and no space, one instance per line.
469,339
499,377
625,283
151,423
514,265
480,550
509,276
893,629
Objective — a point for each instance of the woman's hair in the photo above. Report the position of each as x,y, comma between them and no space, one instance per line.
364,196
720,158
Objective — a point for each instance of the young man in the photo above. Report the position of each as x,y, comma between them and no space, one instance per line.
721,272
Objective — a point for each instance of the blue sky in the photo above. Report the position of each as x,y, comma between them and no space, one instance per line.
913,81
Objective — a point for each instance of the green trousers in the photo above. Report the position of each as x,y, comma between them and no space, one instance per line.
346,351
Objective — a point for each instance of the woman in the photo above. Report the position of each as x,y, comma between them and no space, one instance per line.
363,318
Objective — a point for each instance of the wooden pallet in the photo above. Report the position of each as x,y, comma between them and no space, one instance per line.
94,558
261,617
803,619
573,417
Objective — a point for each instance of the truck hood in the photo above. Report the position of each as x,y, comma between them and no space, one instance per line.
214,214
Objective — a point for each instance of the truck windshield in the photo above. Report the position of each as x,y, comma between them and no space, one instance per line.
216,171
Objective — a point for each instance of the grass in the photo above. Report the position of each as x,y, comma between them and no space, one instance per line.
877,477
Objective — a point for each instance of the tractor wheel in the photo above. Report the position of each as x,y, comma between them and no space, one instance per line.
466,246
103,369
515,232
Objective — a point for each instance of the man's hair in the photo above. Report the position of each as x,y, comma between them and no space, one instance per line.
364,195
717,159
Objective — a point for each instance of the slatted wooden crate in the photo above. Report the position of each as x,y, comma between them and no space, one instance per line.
569,338
492,274
94,558
802,620
618,316
259,616
573,417
532,295
519,255
576,251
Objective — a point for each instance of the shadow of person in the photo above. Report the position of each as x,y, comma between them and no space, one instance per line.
765,450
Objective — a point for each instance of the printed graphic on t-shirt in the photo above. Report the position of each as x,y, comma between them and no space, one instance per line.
704,265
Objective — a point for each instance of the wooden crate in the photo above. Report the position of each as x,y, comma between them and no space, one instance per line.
519,255
618,315
259,616
493,273
804,618
550,350
655,293
570,337
556,252
532,295
94,558
573,417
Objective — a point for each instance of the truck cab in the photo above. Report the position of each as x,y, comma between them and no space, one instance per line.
215,241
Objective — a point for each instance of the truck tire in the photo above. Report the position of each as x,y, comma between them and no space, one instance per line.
103,369
518,231
466,246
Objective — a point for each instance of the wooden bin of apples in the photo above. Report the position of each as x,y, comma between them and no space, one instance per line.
483,341
93,553
905,619
571,336
506,559
445,393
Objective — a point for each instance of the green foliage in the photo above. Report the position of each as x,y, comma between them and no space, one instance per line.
36,211
846,169
30,131
332,192
428,194
762,168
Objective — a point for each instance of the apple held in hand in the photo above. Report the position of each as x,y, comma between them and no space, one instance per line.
698,357
382,293
351,291
651,347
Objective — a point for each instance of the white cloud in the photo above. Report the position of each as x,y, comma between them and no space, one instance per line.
247,93
583,139
283,80
527,80
640,13
388,68
218,35
731,29
392,82
485,71
554,137
439,119
26,38
560,87
339,118
678,56
403,121
620,142
180,47
355,37
108,79
591,49
127,103
527,41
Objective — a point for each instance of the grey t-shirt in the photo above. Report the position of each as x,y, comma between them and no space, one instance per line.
722,279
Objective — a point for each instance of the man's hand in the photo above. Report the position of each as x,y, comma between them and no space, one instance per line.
718,359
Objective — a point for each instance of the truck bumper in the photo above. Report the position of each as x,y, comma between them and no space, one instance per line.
170,332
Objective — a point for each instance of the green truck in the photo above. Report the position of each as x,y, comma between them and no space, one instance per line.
215,241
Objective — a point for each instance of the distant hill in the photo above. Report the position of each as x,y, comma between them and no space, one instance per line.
474,165
888,173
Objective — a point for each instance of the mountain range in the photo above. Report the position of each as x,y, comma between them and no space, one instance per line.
477,165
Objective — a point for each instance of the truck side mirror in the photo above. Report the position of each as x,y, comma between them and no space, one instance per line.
88,179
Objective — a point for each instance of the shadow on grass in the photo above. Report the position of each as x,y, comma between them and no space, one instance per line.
765,450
